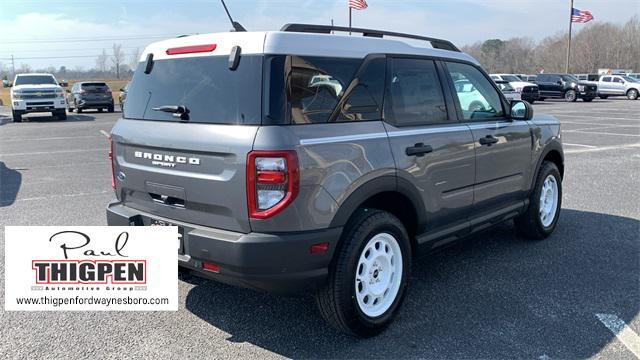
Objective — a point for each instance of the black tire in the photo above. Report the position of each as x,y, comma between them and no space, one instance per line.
529,224
587,99
61,115
337,300
632,94
541,99
570,96
110,109
603,97
78,110
531,102
17,116
100,110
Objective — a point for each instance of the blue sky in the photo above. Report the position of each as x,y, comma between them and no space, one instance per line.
32,28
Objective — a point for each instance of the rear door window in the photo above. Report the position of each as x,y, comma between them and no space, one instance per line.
210,91
414,93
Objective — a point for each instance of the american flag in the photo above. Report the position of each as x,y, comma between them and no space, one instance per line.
580,16
358,4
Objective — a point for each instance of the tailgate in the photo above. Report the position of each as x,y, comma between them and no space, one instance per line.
188,172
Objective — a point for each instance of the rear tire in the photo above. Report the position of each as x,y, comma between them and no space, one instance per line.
632,94
570,96
364,292
17,116
541,217
603,97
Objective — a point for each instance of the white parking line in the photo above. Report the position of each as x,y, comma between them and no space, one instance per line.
604,148
600,124
581,145
623,332
51,138
599,133
599,117
60,196
104,133
53,152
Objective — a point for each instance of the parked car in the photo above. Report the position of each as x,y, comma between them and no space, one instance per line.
618,85
529,91
37,92
122,97
507,90
283,171
565,86
90,95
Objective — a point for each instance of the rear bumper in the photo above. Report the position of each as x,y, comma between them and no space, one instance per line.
277,263
94,104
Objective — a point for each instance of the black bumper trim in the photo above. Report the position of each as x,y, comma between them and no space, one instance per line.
278,262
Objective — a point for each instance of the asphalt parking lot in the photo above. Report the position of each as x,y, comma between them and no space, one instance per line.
493,296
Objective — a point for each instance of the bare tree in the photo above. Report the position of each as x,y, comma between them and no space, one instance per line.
101,61
135,56
117,57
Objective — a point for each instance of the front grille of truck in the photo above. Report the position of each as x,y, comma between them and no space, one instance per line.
39,103
530,90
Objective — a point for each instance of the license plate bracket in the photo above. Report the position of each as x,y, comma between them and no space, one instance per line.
156,222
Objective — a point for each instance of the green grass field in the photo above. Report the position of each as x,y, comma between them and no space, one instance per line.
114,85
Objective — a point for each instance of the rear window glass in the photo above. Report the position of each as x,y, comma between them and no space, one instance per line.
210,91
316,86
90,85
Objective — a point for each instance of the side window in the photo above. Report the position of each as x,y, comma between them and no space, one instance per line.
543,78
414,93
478,99
606,79
365,100
316,85
618,80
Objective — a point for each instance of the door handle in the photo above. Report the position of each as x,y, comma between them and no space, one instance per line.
418,150
488,140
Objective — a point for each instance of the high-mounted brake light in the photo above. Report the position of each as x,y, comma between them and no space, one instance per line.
272,182
191,49
113,170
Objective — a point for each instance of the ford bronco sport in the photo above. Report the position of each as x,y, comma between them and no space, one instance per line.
301,160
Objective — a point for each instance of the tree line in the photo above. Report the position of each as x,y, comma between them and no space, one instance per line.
597,45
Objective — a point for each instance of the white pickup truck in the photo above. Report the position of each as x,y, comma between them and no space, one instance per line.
618,85
37,93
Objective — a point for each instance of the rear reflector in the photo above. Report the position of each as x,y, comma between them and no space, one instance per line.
271,177
191,49
211,267
319,248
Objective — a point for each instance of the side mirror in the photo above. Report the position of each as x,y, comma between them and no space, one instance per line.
559,82
521,110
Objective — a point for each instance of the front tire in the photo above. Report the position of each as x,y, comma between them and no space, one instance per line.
61,114
541,217
632,94
570,96
603,97
17,116
369,275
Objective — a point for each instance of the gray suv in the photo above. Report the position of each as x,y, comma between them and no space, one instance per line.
305,161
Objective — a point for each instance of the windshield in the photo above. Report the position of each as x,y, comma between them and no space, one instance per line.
504,86
510,78
629,79
569,78
35,80
205,86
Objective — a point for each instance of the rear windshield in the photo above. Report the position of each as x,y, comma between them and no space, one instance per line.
510,78
210,91
35,80
94,85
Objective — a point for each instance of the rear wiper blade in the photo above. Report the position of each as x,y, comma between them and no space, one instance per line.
178,111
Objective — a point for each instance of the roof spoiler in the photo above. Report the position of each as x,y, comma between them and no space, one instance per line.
327,29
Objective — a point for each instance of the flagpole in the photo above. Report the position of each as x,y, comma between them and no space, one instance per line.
569,40
350,20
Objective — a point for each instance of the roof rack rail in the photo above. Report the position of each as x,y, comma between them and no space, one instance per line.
327,29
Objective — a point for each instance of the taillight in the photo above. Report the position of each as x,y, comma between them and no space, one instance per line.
113,169
272,182
191,49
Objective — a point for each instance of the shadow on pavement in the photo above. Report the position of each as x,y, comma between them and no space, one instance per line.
49,119
493,296
10,181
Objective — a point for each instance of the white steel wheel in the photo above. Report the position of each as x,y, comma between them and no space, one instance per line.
548,200
378,275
